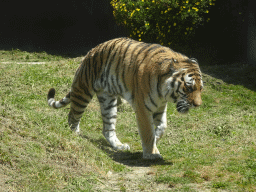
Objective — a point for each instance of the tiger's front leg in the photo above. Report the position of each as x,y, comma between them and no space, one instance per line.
160,121
147,133
108,105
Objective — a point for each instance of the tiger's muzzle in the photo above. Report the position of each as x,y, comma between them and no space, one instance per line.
184,105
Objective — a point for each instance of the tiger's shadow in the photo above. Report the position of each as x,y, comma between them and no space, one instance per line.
132,159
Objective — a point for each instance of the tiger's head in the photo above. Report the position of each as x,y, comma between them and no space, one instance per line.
185,85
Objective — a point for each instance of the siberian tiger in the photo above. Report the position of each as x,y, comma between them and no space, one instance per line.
146,75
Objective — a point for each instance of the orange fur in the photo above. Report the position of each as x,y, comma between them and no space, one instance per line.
146,75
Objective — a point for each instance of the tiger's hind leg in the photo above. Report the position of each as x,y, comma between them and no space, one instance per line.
79,101
160,122
108,105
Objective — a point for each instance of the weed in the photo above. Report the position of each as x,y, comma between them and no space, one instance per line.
220,185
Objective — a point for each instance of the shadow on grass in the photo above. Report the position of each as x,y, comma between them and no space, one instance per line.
125,157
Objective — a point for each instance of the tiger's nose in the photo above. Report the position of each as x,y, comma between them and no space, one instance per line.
197,101
196,104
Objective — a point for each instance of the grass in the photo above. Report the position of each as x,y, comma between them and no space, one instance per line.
210,148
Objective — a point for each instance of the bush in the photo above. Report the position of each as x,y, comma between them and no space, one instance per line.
163,21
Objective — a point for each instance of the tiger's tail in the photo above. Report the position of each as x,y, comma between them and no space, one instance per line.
57,104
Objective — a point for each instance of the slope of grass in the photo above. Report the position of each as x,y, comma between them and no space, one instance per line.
212,147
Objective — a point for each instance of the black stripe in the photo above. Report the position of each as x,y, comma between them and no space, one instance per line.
88,93
68,95
102,51
103,62
78,104
54,106
152,101
112,101
159,87
84,88
106,116
123,73
146,53
157,120
168,91
95,66
62,102
154,47
75,90
107,123
147,107
145,46
169,73
163,60
110,64
85,72
114,87
77,112
174,97
109,107
156,114
120,88
79,97
101,99
179,83
112,46
103,80
173,81
125,51
88,70
182,94
120,63
132,54
157,52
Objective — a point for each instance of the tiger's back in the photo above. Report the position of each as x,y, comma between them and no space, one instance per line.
146,75
123,66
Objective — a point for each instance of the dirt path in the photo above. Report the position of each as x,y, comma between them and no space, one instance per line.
138,179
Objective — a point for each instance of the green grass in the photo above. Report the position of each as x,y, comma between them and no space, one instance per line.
17,55
210,148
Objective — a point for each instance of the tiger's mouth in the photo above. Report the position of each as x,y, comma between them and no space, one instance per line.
183,106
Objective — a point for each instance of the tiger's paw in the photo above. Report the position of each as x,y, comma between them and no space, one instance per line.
122,147
156,156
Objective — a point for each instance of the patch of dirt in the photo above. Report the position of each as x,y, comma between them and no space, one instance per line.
142,174
138,179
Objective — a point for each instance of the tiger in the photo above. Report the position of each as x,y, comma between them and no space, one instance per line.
146,75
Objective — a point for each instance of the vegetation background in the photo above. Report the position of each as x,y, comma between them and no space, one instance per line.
72,27
167,22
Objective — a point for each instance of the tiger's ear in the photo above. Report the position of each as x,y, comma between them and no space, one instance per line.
194,60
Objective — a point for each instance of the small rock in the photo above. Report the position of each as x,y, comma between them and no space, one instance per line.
109,174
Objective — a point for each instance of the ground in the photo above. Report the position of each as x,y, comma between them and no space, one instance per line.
212,148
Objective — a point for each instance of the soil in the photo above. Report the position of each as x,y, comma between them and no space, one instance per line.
141,176
138,179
